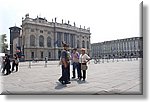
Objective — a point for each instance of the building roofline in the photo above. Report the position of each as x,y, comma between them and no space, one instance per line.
14,27
116,40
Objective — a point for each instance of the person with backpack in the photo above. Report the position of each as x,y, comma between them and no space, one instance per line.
65,64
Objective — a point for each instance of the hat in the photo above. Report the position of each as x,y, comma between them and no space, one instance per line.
83,49
75,49
65,45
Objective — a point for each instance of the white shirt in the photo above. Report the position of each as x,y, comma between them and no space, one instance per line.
83,58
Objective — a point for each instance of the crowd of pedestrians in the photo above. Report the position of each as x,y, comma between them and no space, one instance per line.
79,62
6,67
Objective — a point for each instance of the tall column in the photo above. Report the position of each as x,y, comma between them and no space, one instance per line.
75,41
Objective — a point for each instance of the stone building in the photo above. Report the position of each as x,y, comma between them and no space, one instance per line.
41,38
121,48
14,39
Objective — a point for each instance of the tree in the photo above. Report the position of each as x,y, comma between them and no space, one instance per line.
3,44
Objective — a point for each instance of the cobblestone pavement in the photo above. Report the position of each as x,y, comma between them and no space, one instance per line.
122,77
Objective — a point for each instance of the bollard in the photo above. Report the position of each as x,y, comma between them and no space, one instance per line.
29,64
117,59
107,60
45,64
102,60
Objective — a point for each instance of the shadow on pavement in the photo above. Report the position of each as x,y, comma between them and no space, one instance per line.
60,86
73,79
81,82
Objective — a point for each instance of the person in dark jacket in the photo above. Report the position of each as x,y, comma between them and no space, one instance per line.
64,79
15,63
7,65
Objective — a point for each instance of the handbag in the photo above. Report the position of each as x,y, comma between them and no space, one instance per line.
84,67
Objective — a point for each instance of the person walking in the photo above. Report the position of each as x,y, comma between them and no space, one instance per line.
83,59
64,79
75,62
46,59
15,63
7,66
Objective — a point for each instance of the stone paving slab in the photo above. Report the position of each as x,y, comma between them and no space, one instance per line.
123,77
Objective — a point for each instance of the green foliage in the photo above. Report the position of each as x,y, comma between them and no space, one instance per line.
3,44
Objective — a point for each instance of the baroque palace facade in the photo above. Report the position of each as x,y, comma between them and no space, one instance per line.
41,38
121,48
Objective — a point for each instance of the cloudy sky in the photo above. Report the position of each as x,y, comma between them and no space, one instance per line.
107,19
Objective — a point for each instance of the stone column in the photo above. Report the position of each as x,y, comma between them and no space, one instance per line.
75,41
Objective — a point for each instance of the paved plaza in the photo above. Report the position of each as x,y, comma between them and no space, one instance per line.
122,77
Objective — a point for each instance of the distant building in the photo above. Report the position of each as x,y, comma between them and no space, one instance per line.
122,48
14,39
41,38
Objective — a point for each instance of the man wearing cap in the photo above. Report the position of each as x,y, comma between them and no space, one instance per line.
65,65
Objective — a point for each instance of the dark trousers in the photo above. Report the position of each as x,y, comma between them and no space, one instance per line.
13,65
65,74
7,68
76,66
83,72
68,68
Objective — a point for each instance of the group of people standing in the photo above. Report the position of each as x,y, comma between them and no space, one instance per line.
78,61
6,68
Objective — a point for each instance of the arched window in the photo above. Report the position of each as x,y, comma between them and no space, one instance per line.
48,41
41,41
83,44
87,44
32,40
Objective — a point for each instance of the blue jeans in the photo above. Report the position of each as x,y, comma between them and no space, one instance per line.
76,66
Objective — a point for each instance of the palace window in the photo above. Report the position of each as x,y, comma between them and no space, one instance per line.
48,41
41,41
87,44
66,37
83,44
32,40
41,31
49,54
41,54
59,39
32,55
72,40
